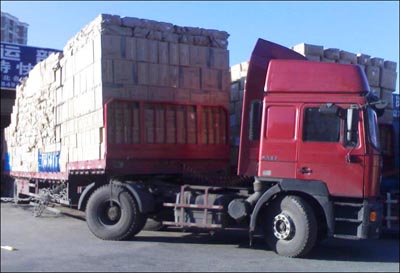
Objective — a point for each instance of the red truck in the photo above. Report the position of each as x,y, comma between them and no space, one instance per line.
309,161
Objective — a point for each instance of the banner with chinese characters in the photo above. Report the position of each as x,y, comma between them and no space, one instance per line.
18,60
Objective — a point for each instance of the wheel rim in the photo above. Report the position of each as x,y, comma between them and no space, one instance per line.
283,227
109,214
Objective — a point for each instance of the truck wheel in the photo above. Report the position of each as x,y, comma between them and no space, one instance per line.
115,218
291,227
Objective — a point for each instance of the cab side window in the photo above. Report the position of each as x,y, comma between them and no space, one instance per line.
318,127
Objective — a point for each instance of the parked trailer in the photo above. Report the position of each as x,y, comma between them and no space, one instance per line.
309,166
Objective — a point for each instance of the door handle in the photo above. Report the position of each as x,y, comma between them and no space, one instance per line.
305,170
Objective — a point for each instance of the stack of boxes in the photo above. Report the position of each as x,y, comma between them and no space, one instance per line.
381,75
112,57
33,118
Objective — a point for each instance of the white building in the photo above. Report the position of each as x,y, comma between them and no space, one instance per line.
12,30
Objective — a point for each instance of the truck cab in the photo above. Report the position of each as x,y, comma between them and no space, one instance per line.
308,129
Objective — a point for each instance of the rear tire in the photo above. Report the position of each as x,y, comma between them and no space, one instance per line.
119,220
291,226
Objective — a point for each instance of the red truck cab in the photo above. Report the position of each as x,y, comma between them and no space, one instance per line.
308,125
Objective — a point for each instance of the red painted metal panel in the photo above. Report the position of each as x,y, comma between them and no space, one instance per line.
286,76
167,151
198,167
172,131
89,167
40,175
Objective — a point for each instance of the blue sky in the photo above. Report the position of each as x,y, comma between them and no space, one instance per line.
369,27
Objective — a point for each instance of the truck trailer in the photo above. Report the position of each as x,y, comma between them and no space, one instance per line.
309,165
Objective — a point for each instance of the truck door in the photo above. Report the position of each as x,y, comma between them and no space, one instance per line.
277,156
323,153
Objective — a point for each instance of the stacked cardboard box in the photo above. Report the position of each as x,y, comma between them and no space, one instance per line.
381,75
33,121
59,106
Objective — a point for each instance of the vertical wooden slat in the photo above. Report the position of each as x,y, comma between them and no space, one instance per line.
142,127
199,128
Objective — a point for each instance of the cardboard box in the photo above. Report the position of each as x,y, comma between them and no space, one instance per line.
326,60
184,55
163,53
313,58
143,73
200,96
235,72
158,93
348,56
363,59
388,79
308,49
235,92
390,65
147,50
173,53
377,62
189,77
130,48
332,53
373,75
210,79
107,71
387,95
199,56
219,58
181,95
110,46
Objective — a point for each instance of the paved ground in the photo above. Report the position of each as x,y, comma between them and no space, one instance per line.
60,243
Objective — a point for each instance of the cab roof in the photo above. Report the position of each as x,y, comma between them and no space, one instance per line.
287,76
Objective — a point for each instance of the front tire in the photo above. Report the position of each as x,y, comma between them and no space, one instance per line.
291,226
113,215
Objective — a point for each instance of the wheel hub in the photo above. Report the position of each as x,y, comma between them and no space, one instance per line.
113,213
283,227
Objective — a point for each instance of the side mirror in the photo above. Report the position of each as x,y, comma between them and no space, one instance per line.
351,125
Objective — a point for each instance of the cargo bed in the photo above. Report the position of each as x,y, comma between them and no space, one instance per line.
143,137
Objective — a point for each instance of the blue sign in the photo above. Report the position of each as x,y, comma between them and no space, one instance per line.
396,105
49,162
18,60
7,165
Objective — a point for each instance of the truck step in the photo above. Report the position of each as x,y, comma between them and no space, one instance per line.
198,225
192,206
345,204
347,220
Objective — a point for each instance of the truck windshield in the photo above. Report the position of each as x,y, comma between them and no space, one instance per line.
373,129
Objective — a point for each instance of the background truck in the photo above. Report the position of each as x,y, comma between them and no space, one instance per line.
309,162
